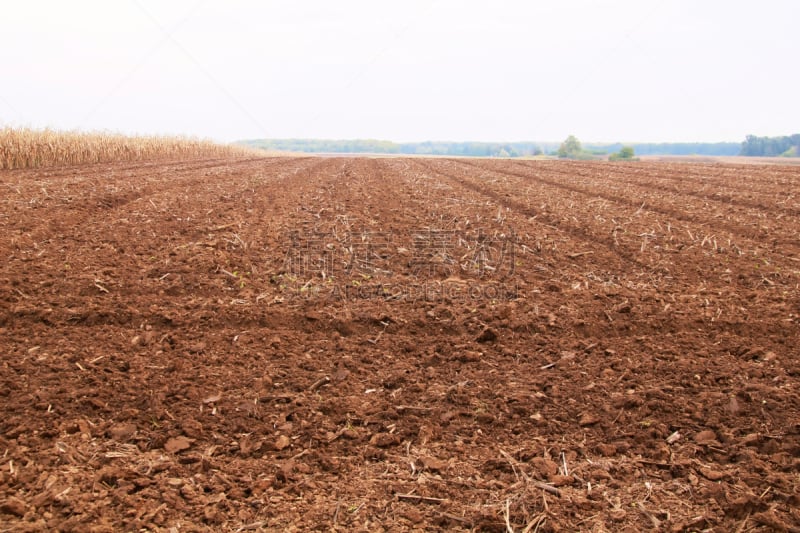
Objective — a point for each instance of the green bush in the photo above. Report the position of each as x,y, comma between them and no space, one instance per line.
570,148
625,153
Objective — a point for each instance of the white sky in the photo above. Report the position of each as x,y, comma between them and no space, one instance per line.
604,70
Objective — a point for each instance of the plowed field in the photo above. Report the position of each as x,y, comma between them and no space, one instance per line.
397,344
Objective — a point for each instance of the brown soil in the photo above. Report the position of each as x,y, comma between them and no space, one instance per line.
731,159
400,344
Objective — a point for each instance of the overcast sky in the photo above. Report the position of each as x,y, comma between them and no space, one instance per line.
604,70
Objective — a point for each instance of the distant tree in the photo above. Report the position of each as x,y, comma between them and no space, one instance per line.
771,146
625,153
570,148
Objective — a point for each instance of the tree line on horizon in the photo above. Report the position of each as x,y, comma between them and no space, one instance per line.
752,146
784,146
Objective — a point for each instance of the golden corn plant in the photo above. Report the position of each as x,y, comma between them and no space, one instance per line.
28,148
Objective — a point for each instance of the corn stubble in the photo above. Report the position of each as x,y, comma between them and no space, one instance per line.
27,148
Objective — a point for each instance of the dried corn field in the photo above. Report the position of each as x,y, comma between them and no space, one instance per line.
26,148
400,344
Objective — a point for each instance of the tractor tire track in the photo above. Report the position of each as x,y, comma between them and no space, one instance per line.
734,229
542,218
726,199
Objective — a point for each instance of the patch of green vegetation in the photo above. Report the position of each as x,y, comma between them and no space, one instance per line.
571,149
625,153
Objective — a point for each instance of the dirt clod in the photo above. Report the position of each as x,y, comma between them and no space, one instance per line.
177,444
282,442
384,440
122,432
588,419
487,335
706,436
14,506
